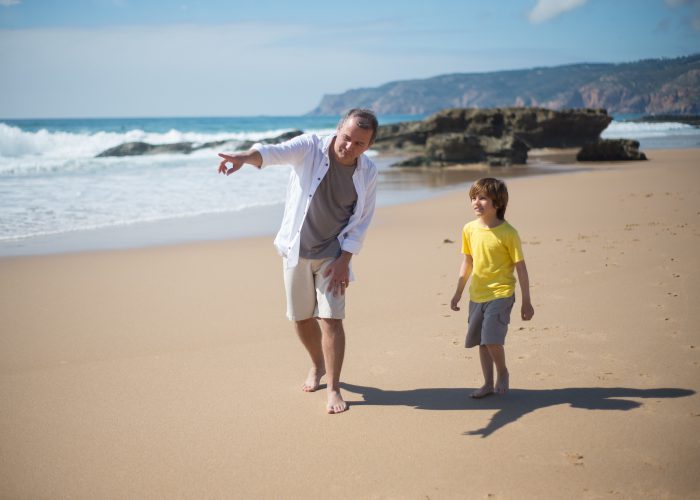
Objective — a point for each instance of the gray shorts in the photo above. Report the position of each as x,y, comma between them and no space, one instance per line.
307,295
488,322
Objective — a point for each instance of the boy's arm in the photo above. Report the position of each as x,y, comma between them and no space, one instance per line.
526,309
464,271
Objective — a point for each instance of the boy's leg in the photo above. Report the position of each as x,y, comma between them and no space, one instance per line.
498,355
493,334
487,370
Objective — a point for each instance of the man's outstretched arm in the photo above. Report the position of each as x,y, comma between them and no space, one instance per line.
237,160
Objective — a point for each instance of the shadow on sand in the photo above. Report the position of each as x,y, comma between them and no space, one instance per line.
517,403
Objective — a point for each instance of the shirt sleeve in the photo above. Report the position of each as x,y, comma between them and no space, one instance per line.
515,247
354,239
466,247
291,152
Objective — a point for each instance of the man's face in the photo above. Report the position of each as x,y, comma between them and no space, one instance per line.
350,142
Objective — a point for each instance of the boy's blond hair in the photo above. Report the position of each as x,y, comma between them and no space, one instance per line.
493,189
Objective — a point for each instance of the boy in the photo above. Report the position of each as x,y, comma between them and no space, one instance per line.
491,249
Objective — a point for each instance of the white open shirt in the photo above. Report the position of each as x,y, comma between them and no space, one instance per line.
308,156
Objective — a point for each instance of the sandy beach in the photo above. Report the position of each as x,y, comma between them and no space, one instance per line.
172,372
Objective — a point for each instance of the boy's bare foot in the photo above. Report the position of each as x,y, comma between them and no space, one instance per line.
313,380
336,403
502,384
484,391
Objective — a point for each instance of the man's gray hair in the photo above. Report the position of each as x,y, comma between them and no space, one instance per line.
366,119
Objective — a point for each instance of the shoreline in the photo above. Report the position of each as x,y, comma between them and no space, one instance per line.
397,186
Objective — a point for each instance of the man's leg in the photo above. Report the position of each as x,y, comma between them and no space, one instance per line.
310,335
487,370
498,354
333,343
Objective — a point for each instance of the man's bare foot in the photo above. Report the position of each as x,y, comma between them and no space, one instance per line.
313,380
502,384
336,403
484,391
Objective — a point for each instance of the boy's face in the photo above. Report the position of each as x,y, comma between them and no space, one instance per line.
483,206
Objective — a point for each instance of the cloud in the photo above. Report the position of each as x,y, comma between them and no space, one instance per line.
8,3
546,10
694,19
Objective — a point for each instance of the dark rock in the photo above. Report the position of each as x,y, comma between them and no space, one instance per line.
272,140
415,161
500,136
143,148
209,145
537,127
504,151
128,149
455,147
611,150
545,128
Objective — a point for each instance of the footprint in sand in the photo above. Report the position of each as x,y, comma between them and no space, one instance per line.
575,459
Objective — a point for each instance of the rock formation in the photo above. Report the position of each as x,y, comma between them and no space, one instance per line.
611,150
500,136
143,148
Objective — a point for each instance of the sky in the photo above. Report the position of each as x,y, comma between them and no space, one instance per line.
134,58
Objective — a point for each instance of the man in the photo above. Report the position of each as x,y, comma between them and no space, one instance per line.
330,202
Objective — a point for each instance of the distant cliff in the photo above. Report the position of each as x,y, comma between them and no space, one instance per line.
651,86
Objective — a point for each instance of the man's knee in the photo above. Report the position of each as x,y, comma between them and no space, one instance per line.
331,325
304,322
307,326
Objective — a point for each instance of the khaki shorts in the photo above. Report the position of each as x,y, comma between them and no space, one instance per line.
488,322
307,295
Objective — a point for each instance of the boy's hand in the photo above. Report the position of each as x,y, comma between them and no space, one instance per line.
527,311
454,302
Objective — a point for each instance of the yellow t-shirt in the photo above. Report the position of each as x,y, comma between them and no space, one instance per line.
495,252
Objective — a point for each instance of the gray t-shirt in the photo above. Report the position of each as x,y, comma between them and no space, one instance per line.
329,212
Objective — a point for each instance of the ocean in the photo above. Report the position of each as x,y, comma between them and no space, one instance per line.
55,195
